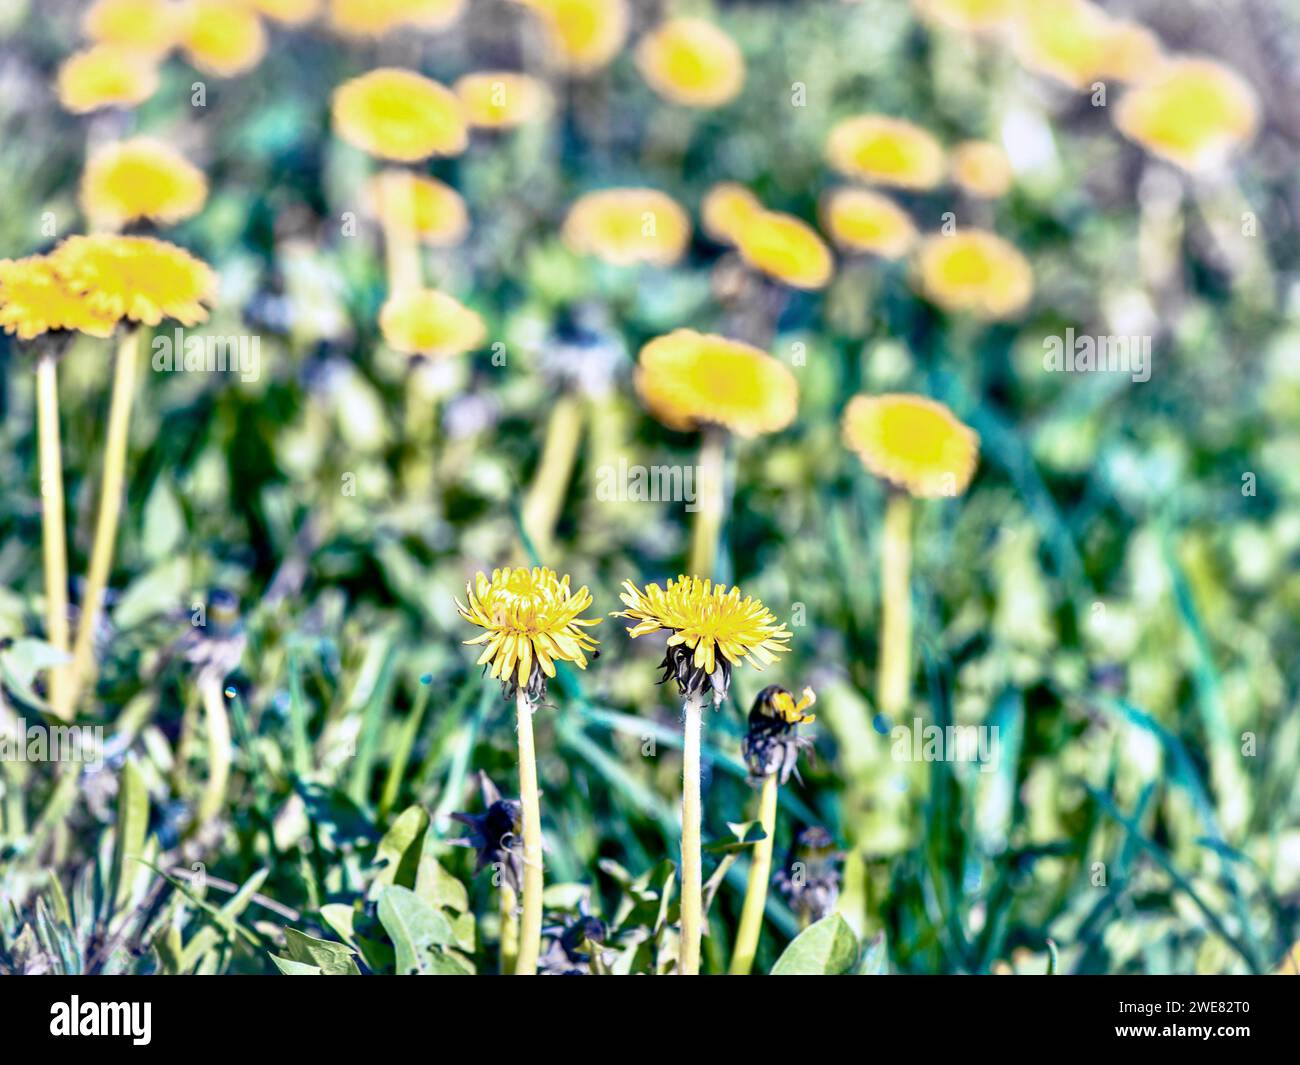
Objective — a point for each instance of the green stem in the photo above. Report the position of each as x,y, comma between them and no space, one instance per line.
509,929
894,675
692,879
530,924
401,245
760,873
110,510
53,538
551,481
401,756
217,724
710,501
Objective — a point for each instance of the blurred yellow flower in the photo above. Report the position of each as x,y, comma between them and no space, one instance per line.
584,34
106,75
1077,43
688,380
222,39
398,114
692,62
141,178
531,620
288,12
970,15
1194,112
726,208
981,168
721,628
886,151
435,211
862,220
975,271
431,323
785,248
137,278
914,443
627,226
376,18
34,300
502,99
780,703
141,25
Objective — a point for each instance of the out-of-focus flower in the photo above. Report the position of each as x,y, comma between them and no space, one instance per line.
914,443
692,62
398,114
107,75
810,879
287,12
584,34
772,743
1077,43
1194,112
626,226
137,278
502,99
886,151
981,168
150,26
975,271
377,18
573,949
968,15
141,178
496,835
689,380
434,210
531,620
34,300
861,220
726,208
785,248
431,323
222,39
711,631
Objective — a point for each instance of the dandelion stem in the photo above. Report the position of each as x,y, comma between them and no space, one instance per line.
692,879
710,501
217,723
760,873
551,481
53,537
509,929
401,246
893,678
110,509
530,925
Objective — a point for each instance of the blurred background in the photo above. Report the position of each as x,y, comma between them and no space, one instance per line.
1117,592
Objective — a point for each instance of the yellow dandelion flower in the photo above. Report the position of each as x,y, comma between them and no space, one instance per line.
584,34
141,178
725,210
785,248
286,12
502,99
431,323
982,169
916,444
531,619
401,115
626,226
711,630
689,380
1077,43
148,26
34,300
975,271
886,151
435,211
222,39
107,75
692,62
376,18
1194,112
137,278
861,220
969,15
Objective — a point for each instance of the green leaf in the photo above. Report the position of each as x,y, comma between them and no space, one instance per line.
400,849
415,928
294,968
827,948
439,888
744,833
132,824
332,959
